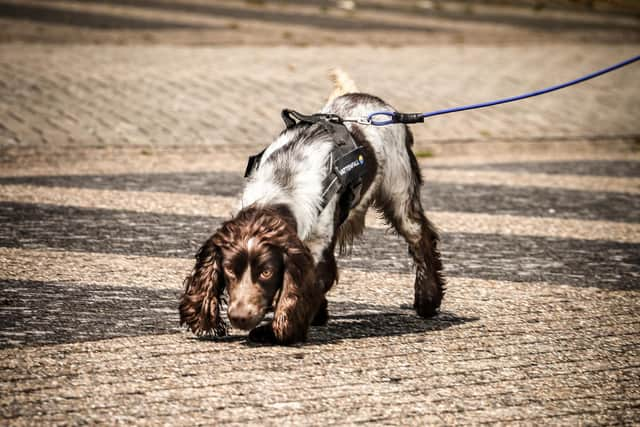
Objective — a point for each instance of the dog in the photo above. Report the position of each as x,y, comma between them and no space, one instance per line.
278,252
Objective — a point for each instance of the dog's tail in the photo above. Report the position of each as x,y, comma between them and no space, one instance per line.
342,83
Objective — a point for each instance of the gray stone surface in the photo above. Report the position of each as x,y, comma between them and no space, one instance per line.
184,96
532,330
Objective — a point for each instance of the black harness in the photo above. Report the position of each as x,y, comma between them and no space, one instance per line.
345,164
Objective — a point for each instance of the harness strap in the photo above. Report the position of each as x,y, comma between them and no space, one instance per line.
313,118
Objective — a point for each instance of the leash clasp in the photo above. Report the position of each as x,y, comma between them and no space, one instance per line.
395,117
364,120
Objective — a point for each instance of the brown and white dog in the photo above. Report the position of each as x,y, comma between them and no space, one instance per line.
277,252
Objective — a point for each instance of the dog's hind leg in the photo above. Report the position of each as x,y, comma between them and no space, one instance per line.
429,284
400,203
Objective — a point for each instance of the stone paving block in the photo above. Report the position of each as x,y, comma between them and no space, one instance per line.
159,96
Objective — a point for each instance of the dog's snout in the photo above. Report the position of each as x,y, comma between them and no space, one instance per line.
243,316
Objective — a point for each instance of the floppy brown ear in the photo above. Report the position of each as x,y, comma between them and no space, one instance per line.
300,297
200,302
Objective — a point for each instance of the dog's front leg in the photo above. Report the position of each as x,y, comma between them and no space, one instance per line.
326,276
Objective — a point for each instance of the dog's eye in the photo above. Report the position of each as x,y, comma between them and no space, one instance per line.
266,274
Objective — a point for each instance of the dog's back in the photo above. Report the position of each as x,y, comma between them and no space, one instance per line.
294,167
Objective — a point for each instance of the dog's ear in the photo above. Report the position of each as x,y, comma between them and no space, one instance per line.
200,302
299,296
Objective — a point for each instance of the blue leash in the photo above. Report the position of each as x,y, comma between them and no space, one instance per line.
396,117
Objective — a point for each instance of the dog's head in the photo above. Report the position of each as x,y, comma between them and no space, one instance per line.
253,256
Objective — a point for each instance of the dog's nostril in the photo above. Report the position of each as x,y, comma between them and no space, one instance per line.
237,320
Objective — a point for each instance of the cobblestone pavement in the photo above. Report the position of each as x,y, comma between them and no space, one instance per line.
56,97
116,162
539,324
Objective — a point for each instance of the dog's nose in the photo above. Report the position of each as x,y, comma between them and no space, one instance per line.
242,316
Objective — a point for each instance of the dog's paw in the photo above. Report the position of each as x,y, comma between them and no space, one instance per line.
428,294
263,334
426,308
322,315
